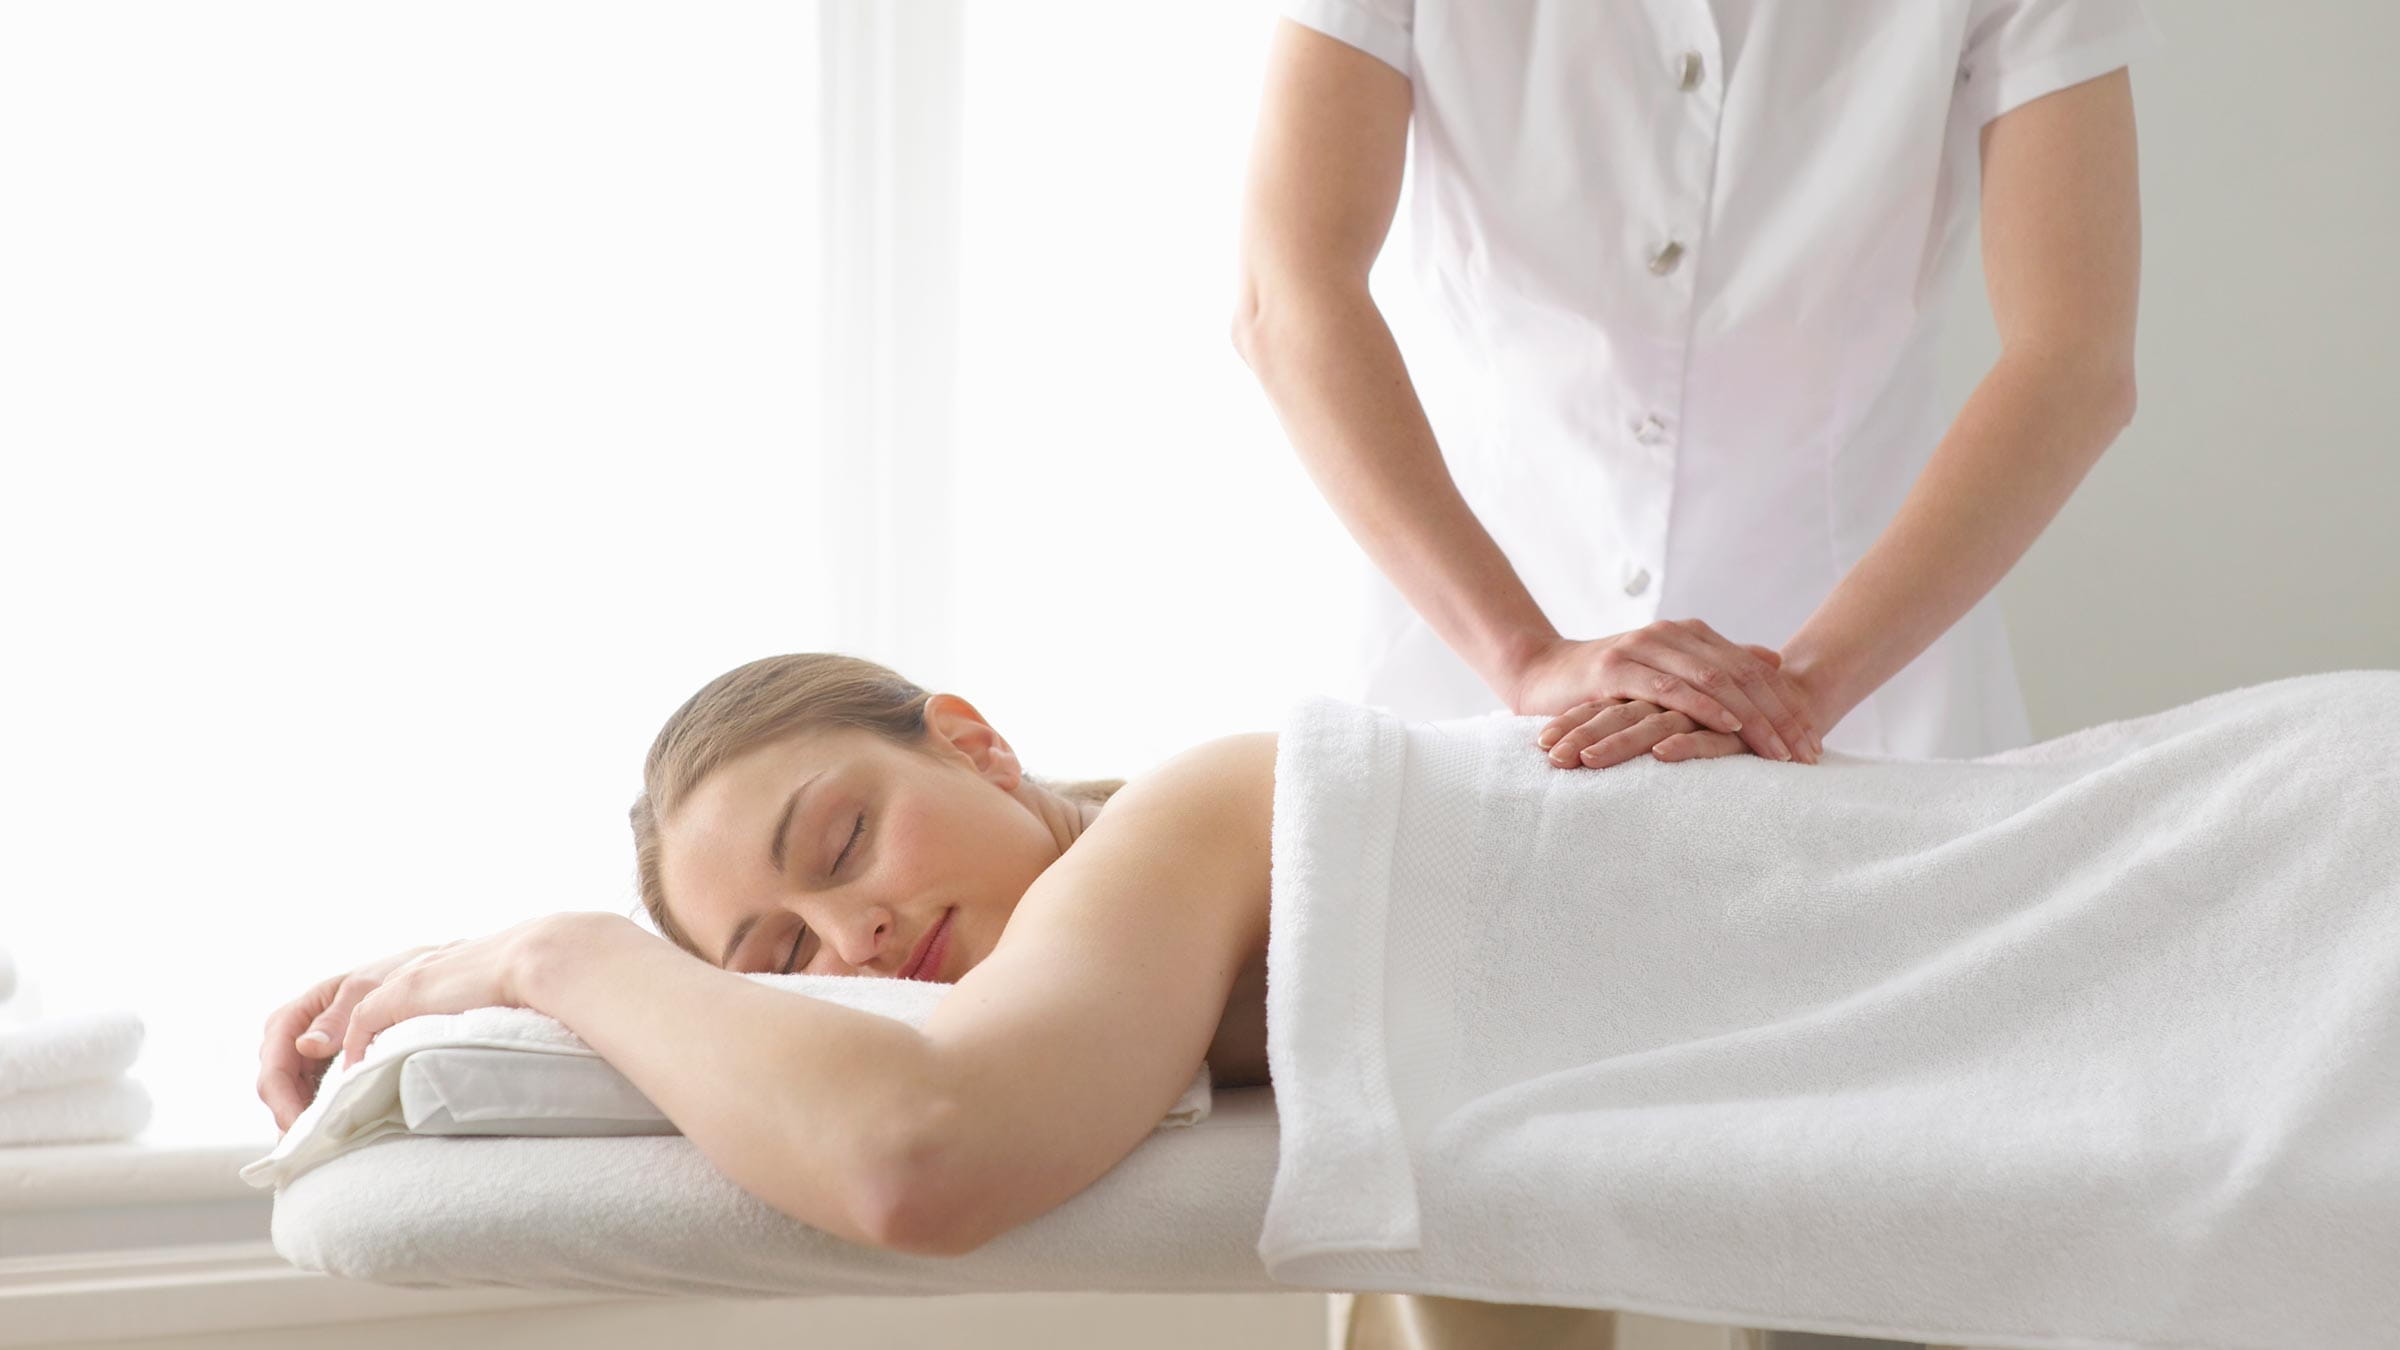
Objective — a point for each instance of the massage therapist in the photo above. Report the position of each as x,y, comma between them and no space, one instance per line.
1693,256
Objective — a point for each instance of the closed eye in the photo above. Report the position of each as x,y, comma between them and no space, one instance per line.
802,936
855,832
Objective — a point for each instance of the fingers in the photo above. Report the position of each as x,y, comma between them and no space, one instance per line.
283,1073
301,1038
325,1032
1639,739
1612,733
1566,735
1810,733
1689,655
1694,652
1699,744
367,1019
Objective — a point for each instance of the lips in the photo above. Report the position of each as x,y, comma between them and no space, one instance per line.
925,963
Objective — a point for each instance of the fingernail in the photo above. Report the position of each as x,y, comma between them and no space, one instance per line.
1591,756
313,1038
1546,738
1781,749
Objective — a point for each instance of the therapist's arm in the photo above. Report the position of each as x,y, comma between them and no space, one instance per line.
1324,178
1325,174
2062,261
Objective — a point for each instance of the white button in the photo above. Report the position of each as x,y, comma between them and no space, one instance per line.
1649,430
1663,261
1638,582
1691,71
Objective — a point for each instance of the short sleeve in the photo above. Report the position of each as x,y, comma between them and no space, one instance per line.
2015,51
1380,28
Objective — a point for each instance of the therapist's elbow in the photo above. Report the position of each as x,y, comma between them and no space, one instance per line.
1272,297
2107,374
2127,402
2095,391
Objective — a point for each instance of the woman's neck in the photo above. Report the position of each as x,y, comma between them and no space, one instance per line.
1066,818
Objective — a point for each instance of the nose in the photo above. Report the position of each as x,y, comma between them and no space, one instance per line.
860,935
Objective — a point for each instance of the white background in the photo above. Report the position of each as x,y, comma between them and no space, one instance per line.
405,408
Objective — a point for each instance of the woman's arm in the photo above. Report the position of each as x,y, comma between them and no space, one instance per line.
808,1105
1062,1050
1052,1059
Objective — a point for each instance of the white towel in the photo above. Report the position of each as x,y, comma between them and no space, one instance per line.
2090,1043
650,1216
114,1108
68,1048
363,1103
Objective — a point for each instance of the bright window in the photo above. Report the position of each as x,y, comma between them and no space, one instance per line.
1143,561
404,408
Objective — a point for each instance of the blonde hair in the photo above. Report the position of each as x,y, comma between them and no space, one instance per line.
768,700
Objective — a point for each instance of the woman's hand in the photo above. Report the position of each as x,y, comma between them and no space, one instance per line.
302,1034
484,972
1681,666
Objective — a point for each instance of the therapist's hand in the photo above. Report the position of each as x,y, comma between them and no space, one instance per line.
1682,666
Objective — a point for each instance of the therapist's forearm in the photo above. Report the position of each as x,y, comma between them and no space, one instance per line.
1335,376
806,1104
2021,444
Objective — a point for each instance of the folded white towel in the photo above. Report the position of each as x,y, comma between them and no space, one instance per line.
115,1108
368,1100
69,1048
2093,1043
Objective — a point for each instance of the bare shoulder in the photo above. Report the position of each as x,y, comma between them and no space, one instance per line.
1234,772
1206,812
1065,1047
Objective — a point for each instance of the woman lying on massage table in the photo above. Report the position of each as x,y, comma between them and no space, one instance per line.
819,813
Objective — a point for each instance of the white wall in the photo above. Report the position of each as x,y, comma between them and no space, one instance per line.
2243,528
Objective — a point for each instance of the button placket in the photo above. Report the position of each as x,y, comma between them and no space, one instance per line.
1689,69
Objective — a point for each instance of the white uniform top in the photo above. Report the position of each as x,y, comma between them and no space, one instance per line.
1694,261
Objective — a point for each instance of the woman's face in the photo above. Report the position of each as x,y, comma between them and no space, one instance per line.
882,844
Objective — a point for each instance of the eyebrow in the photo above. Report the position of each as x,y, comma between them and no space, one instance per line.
783,828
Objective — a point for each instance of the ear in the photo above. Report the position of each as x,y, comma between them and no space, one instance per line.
954,721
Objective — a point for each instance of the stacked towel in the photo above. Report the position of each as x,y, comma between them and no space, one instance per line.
62,1080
